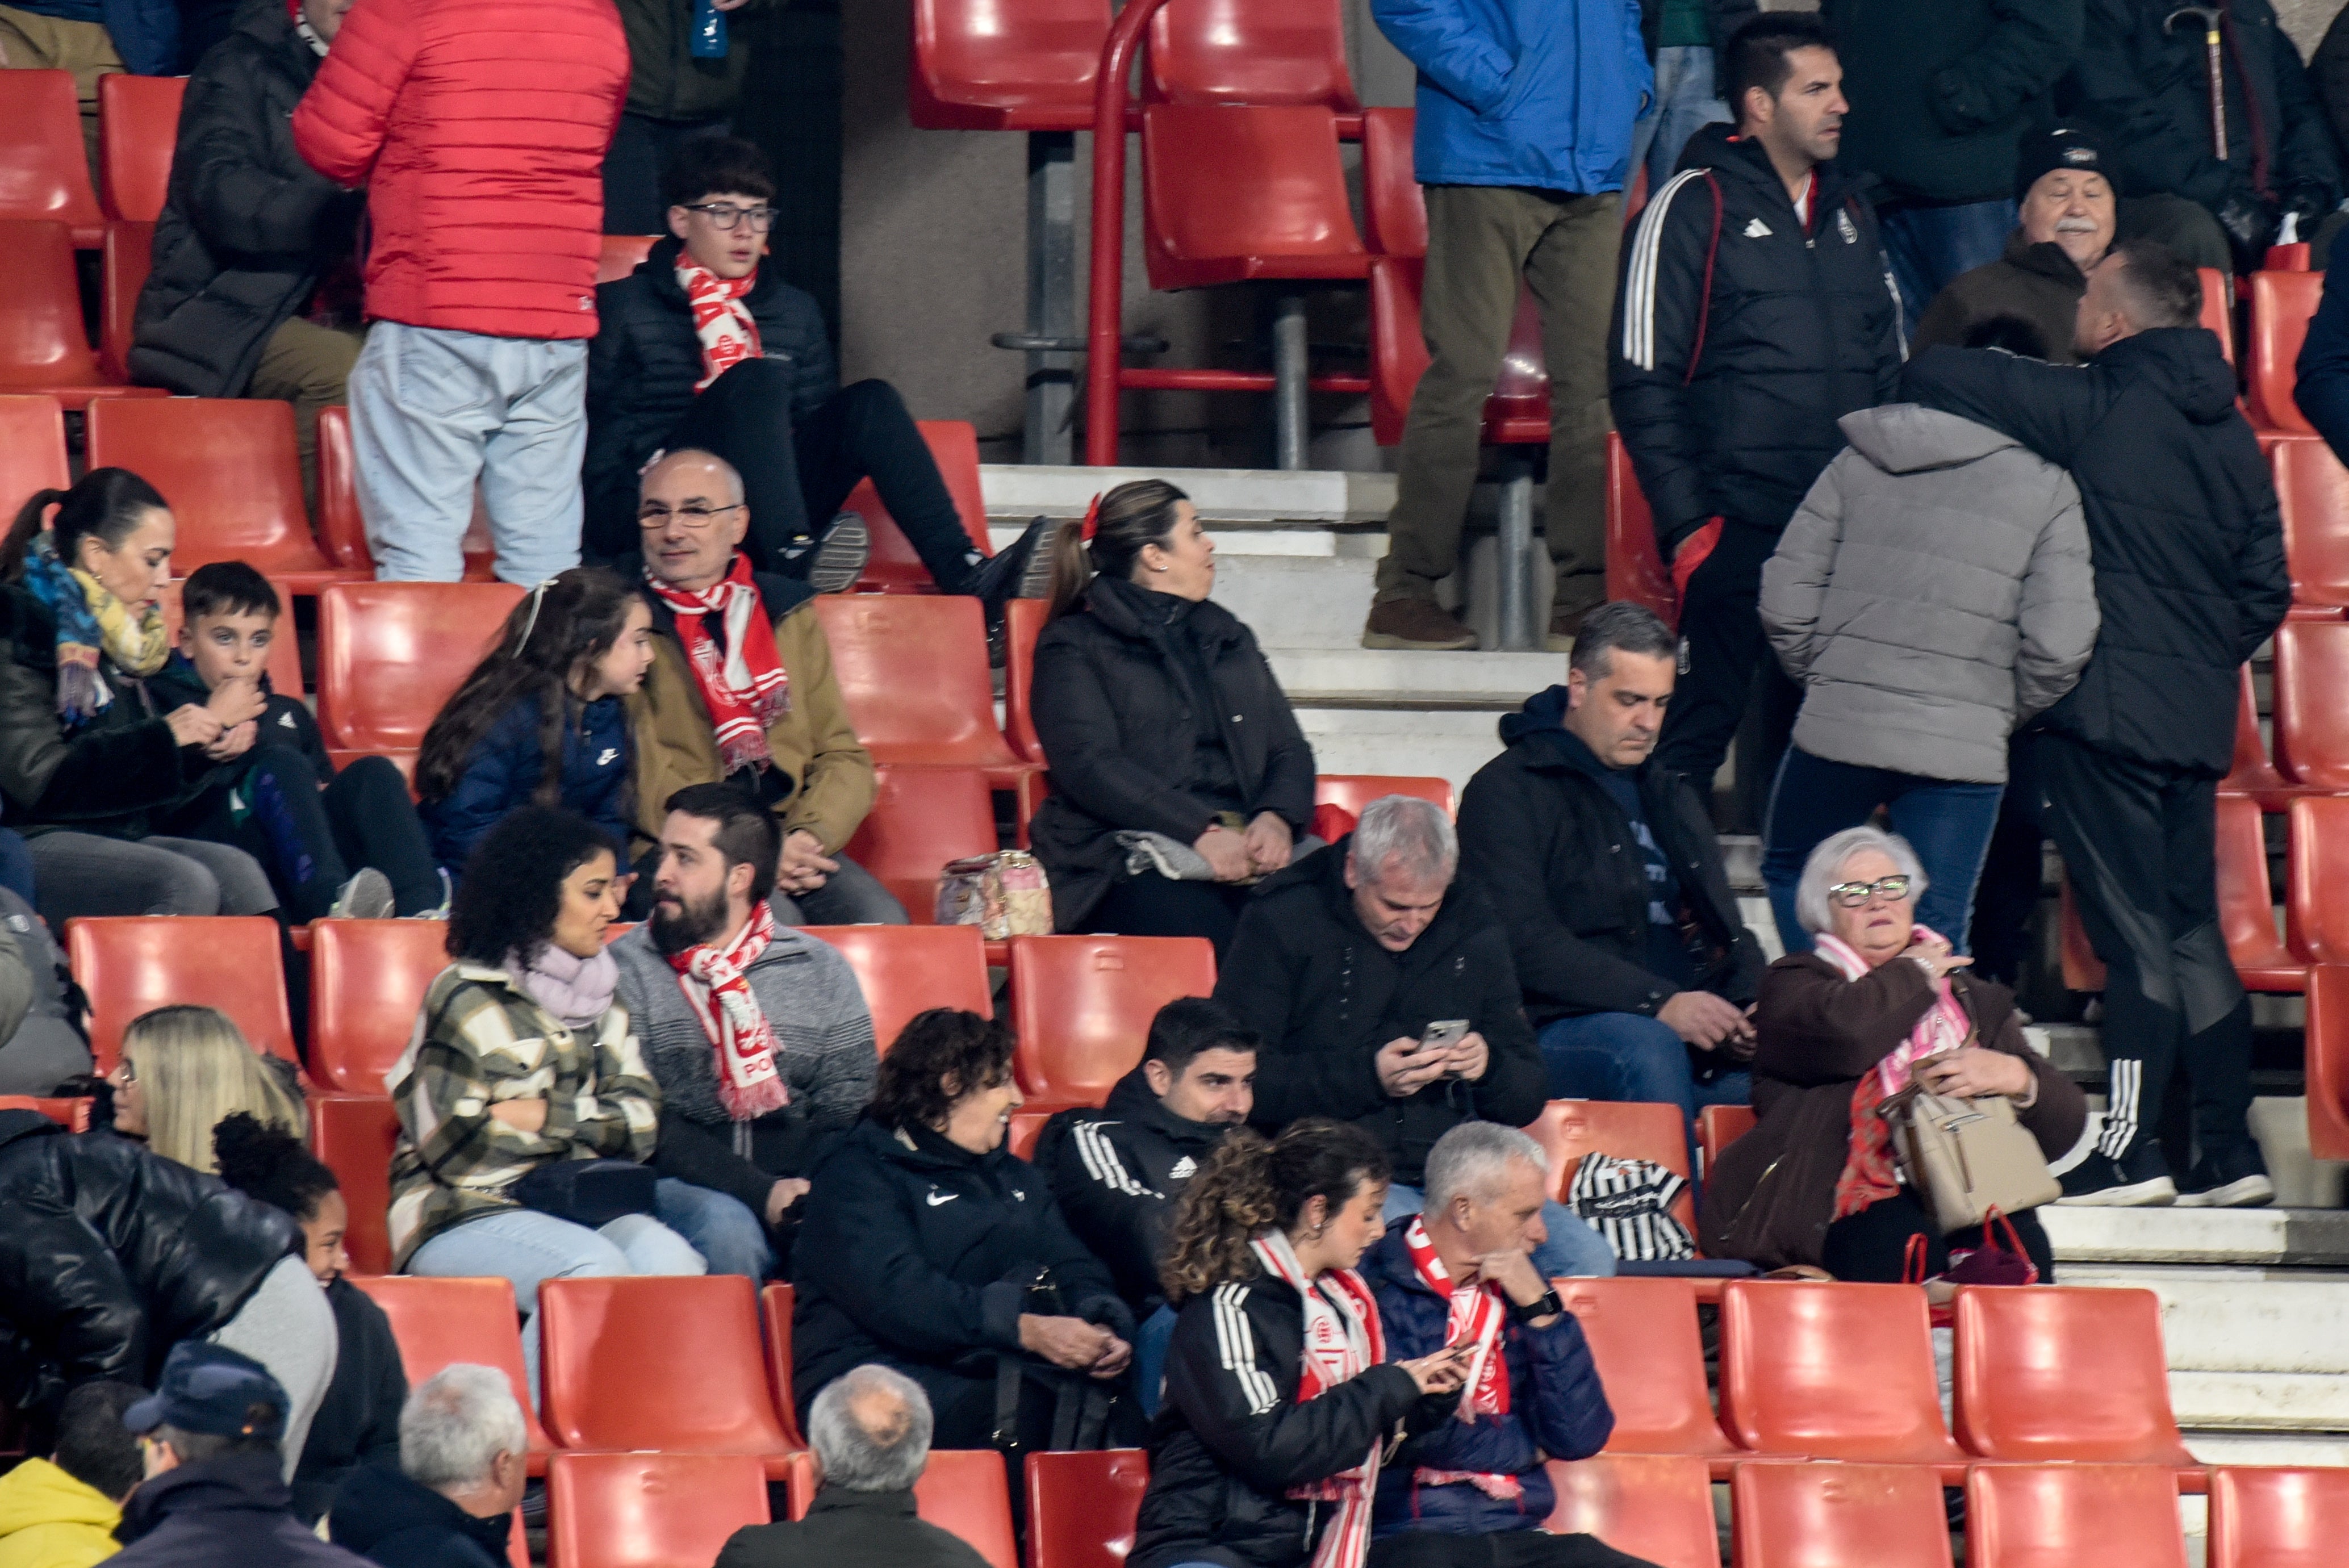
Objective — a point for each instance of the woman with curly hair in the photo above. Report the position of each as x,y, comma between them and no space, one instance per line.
1280,1399
930,1247
524,1061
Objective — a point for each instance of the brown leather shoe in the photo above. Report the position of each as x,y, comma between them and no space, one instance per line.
1416,624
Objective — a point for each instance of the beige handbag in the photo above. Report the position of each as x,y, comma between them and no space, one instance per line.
1962,1158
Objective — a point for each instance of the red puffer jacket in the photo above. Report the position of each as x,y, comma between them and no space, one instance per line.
479,128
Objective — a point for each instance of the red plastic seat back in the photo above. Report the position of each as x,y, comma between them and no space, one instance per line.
2252,773
1643,1335
2318,916
72,1114
1655,1506
42,340
1834,1371
2063,1516
1810,1515
1517,413
43,164
2061,1373
2326,1061
285,661
894,567
2313,492
654,1362
2282,304
1398,345
440,1322
1081,1507
1023,620
911,670
622,255
1394,207
123,266
2278,1518
775,1301
905,970
32,449
2247,902
138,125
226,465
650,1511
1718,1127
1570,1130
1635,564
342,534
1352,791
391,653
1230,193
2311,693
965,1492
980,65
1249,52
368,980
921,818
2219,309
131,964
354,1135
1082,1006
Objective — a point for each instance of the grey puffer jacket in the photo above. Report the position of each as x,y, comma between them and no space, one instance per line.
1933,590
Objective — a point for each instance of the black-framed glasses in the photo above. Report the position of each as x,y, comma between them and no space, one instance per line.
1851,895
724,217
652,515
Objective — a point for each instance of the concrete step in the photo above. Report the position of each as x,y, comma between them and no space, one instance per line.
2267,1449
1224,497
2254,1237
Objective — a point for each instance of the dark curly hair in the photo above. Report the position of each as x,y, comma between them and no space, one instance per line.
270,1163
944,1043
513,884
1250,1186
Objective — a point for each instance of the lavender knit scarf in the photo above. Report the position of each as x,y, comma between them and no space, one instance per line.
578,991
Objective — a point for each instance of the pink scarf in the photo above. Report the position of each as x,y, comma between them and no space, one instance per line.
717,988
1342,1340
1870,1173
729,335
1478,1314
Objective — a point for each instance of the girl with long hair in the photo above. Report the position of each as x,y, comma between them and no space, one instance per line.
1279,1402
182,1071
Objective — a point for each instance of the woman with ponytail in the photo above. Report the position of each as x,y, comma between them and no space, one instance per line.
1279,1403
87,753
1179,775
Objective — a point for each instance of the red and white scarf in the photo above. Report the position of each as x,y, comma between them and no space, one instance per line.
717,988
729,335
1343,1341
745,687
1871,1170
1479,1314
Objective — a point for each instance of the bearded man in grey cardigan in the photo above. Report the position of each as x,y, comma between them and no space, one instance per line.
757,1034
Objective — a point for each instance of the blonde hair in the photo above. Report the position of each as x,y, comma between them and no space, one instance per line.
195,1069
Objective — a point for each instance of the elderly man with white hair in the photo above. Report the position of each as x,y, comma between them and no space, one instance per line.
464,1455
1384,995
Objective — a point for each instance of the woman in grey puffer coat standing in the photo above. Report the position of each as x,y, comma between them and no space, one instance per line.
1932,594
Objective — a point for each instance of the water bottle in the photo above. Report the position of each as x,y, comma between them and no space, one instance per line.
708,31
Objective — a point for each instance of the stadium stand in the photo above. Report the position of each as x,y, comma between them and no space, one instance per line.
127,255
1656,1507
2277,1517
979,66
909,969
1570,1130
1833,1371
1718,1127
441,1321
1350,792
893,567
434,632
2282,304
2056,1516
32,450
138,127
354,1135
1081,1507
1080,1006
44,350
44,167
775,1303
131,964
649,1510
367,979
912,670
1796,1515
1644,1337
921,818
1023,620
2068,1374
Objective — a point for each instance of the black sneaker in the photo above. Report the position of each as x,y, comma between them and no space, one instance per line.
1021,570
2140,1181
841,555
2230,1178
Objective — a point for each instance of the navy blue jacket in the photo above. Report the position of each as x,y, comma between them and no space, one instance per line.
229,1511
1557,1411
2322,392
398,1524
507,764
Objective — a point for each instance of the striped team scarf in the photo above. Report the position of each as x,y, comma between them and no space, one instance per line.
1478,1313
745,687
719,994
729,333
1342,1340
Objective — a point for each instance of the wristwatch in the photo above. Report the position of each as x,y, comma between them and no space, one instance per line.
1548,1306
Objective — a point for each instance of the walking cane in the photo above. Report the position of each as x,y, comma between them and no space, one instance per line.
2209,15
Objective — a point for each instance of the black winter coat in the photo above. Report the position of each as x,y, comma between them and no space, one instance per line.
2182,523
225,1512
1325,996
110,1255
1549,846
1727,397
357,1423
642,365
912,1252
851,1530
1118,723
247,228
395,1523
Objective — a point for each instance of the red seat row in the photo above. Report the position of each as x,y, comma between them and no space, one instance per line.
47,171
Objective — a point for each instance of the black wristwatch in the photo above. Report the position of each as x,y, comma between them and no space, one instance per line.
1548,1306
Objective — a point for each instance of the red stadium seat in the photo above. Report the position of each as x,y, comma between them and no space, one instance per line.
650,1511
1394,209
130,965
342,534
1081,1507
905,970
2311,693
1352,791
1568,1129
31,450
1718,1127
775,1319
1023,620
911,670
72,1114
2316,915
921,818
2064,1516
965,1492
2278,1518
354,1135
2326,1061
2065,1373
1814,1515
1230,194
980,65
439,1321
44,164
123,266
432,633
44,348
1831,1371
1655,1506
2219,309
2247,904
284,662
2252,773
1028,1126
1220,52
894,567
2313,492
1635,563
1082,1006
367,979
1643,1335
2082,970
2282,304
1517,413
138,125
622,255
227,466
652,1362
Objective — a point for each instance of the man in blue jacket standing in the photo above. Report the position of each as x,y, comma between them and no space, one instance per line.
1524,144
1472,1492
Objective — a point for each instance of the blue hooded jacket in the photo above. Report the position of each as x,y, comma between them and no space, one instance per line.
507,764
1523,92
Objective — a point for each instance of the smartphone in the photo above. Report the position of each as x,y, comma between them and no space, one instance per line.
1443,1034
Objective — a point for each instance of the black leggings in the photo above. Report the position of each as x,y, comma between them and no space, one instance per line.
796,471
1873,1244
1153,905
310,840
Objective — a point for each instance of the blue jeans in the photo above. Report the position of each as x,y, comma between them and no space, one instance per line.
1150,1342
16,864
719,1226
1928,246
850,896
1947,824
527,1248
1573,1247
1631,1057
1686,102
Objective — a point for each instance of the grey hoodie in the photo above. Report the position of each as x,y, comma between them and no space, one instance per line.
1932,591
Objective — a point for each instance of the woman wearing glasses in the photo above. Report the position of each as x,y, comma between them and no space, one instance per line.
1879,1001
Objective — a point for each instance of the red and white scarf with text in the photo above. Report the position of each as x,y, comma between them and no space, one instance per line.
729,335
1343,1341
716,986
1871,1170
744,687
1479,1314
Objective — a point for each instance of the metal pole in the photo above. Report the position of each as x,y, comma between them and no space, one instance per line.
1513,570
1288,373
1107,285
1049,435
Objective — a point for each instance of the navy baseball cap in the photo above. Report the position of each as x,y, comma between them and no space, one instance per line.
210,1388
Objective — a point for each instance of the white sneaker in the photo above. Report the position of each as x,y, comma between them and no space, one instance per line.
367,896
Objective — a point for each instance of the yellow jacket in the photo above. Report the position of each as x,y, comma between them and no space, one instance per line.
49,1520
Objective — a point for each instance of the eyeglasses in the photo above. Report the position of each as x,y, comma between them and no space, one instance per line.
724,217
1851,895
654,515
